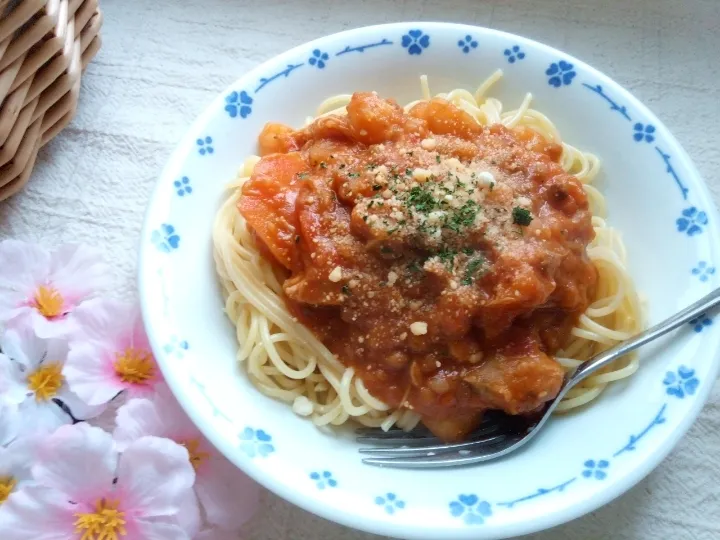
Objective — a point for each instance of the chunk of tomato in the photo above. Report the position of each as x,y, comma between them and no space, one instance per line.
268,204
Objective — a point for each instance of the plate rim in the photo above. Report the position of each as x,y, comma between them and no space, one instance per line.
346,517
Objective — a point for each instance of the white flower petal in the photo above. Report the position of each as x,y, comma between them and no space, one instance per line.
79,461
22,345
153,474
178,425
9,424
37,513
78,272
16,459
89,374
227,495
139,336
135,419
22,266
78,408
13,383
59,327
189,515
103,320
40,417
159,530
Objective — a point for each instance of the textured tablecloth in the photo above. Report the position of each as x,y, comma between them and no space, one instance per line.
162,62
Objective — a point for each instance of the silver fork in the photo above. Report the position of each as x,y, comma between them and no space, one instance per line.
501,434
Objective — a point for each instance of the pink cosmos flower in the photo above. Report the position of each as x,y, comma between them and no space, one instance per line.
228,497
86,491
111,353
48,286
32,374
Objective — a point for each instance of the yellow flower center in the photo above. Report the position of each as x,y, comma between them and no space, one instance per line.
135,366
197,456
46,381
7,484
106,523
48,301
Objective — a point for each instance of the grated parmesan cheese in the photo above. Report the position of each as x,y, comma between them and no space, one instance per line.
419,328
335,275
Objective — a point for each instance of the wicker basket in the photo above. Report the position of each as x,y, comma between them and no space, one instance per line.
45,45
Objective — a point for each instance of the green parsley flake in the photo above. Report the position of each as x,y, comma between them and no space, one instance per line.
421,199
447,256
472,267
346,290
521,216
464,216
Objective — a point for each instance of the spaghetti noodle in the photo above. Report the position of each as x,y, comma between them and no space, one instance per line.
285,360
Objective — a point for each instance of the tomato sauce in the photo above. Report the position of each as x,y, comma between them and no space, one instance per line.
445,261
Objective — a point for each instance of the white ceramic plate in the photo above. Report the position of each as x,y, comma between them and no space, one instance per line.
581,461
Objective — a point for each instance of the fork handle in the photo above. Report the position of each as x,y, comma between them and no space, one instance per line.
604,358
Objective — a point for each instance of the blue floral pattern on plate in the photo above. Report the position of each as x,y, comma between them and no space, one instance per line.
681,383
165,238
692,221
467,43
700,323
390,503
514,54
182,186
205,146
596,469
256,443
560,73
644,132
176,346
323,479
238,104
415,41
471,509
703,271
318,59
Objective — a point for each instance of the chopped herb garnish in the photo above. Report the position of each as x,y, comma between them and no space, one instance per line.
521,216
492,185
353,175
297,239
371,166
463,217
365,218
346,290
323,165
414,267
385,249
408,172
377,187
421,199
437,158
302,175
447,256
472,267
371,203
467,251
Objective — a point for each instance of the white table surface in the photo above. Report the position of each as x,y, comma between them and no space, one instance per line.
162,61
